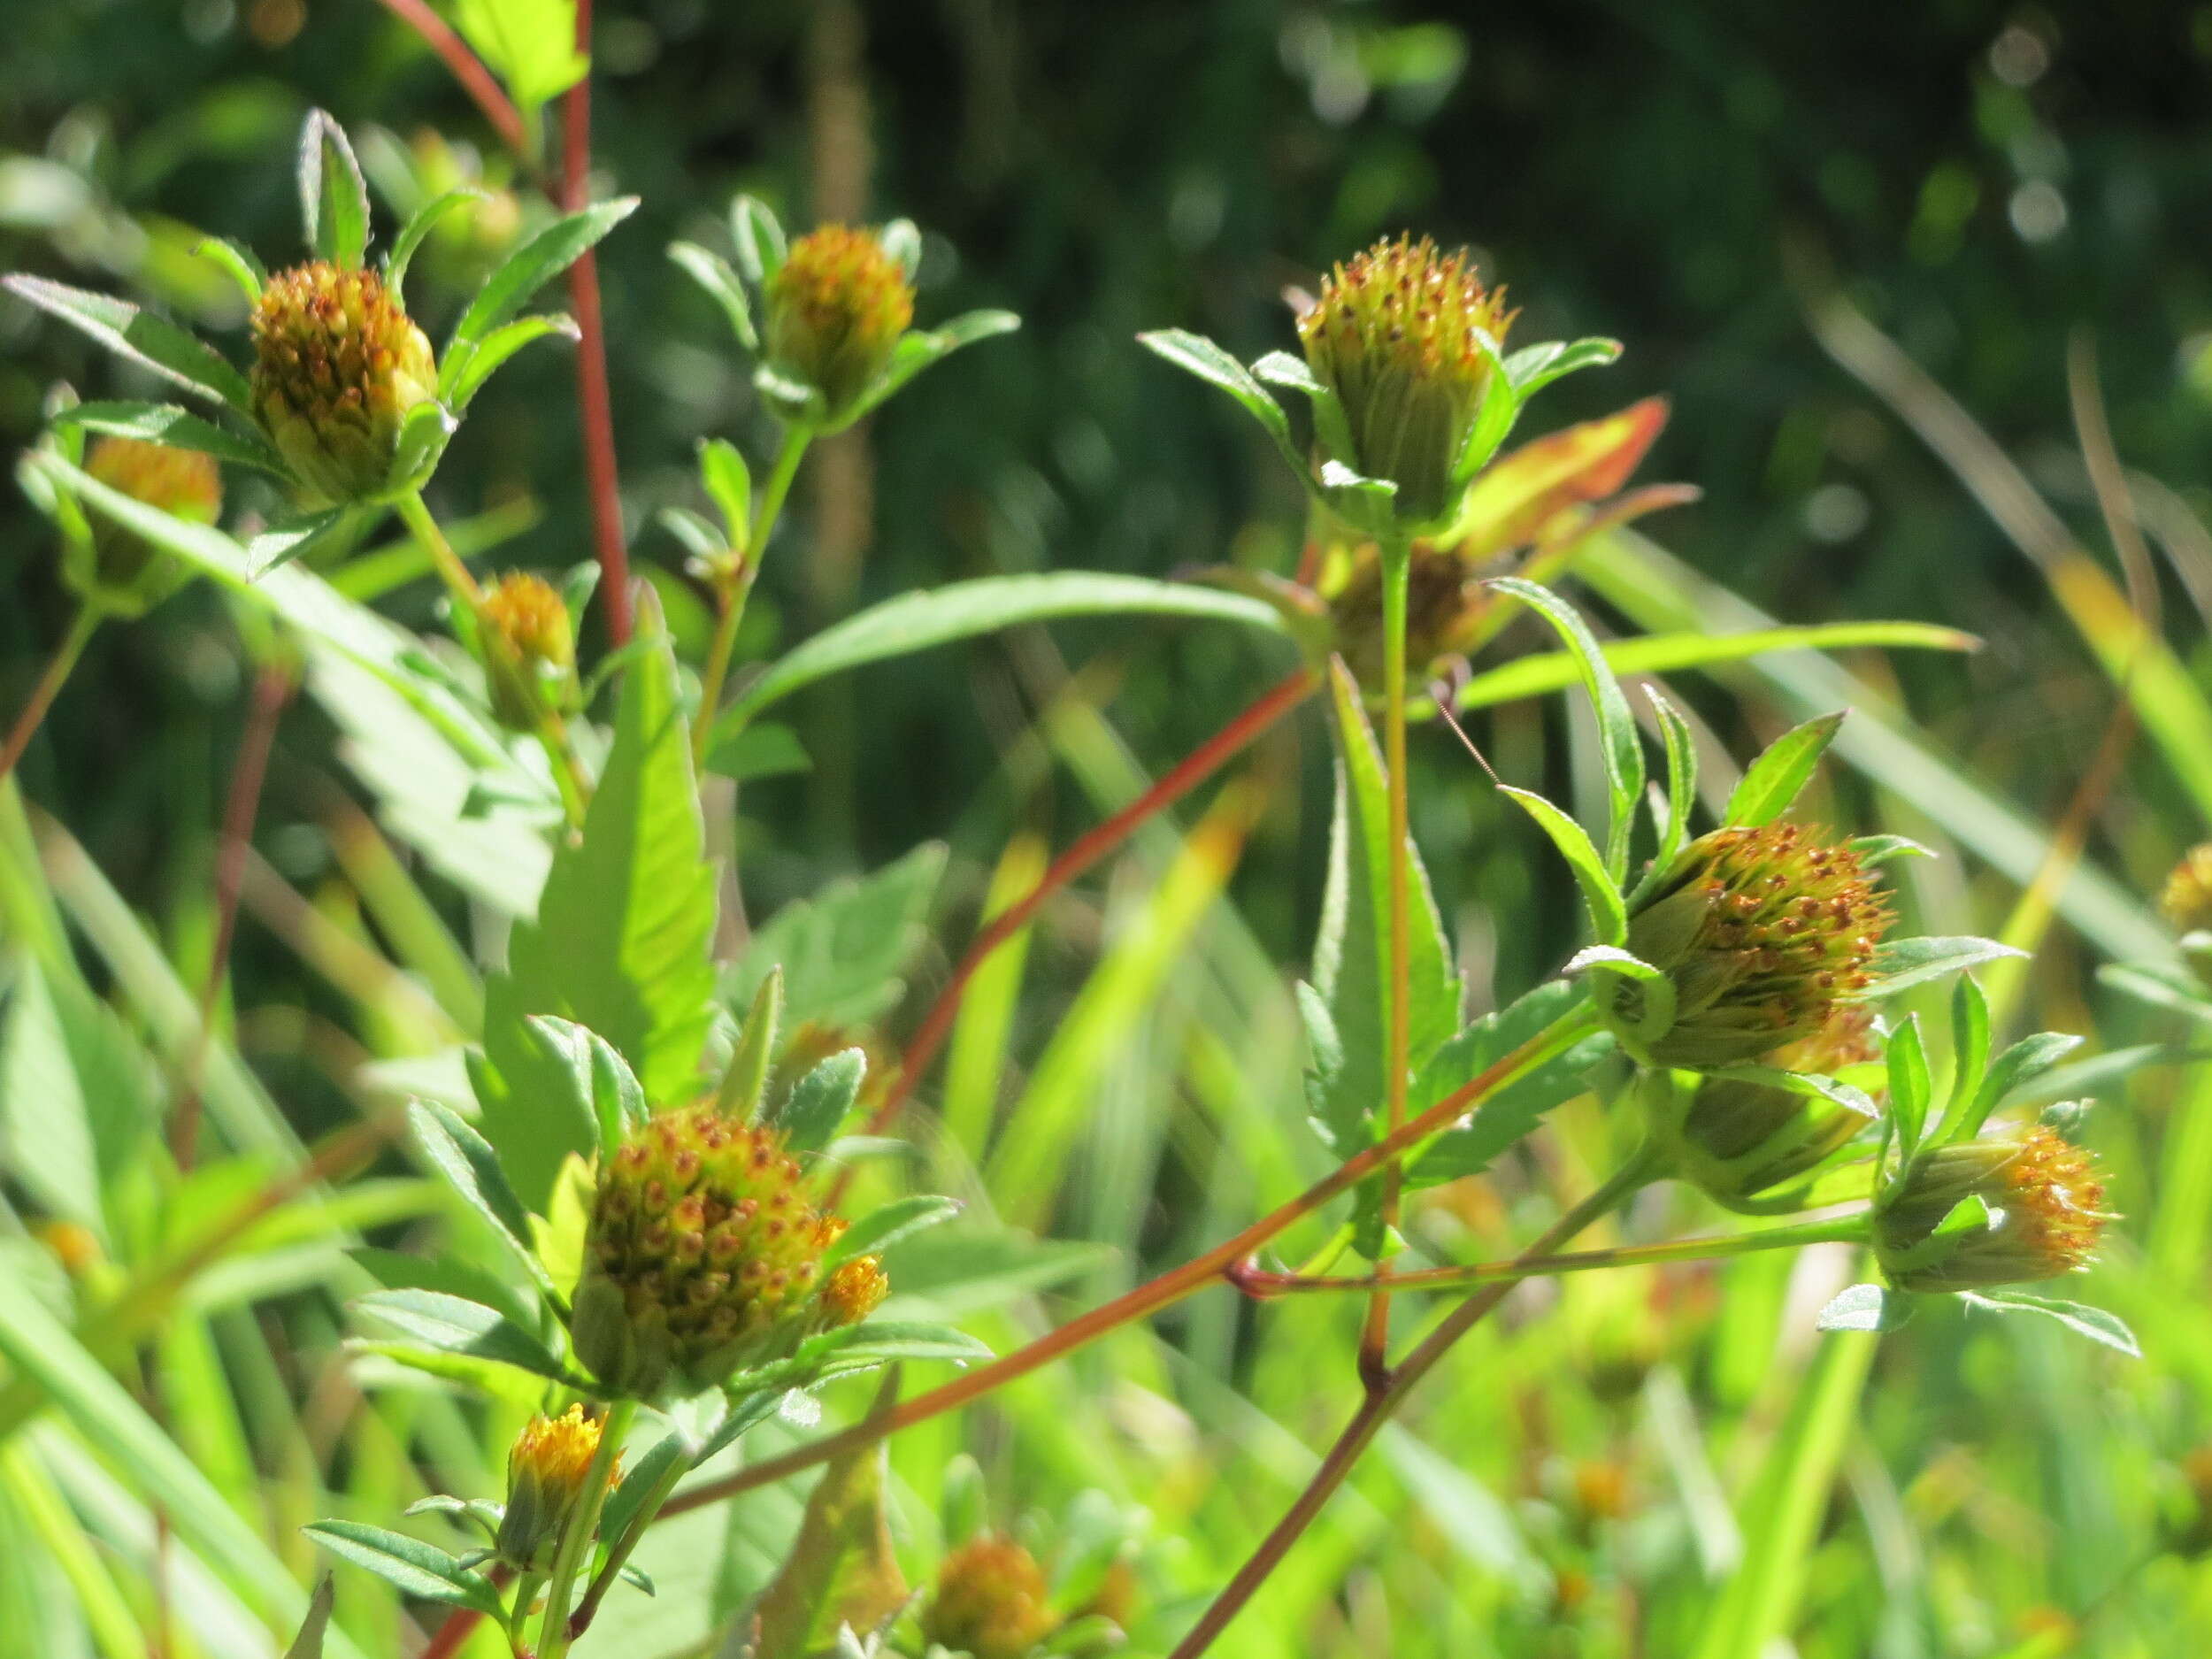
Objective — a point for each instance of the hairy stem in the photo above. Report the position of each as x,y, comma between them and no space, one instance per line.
554,1634
1382,1403
1396,557
81,628
766,510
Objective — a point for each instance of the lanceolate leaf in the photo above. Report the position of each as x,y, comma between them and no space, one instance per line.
1901,964
418,1568
1608,912
819,1100
2093,1323
1772,781
180,429
460,385
154,342
712,273
537,262
455,1326
333,195
620,944
1201,357
413,234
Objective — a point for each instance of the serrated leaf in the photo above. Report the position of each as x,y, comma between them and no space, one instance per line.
843,951
418,1569
1609,911
622,941
333,195
1772,781
817,1105
530,44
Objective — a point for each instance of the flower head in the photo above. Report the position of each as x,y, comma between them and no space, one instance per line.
990,1601
2041,1217
704,1254
1759,931
1735,1138
2186,900
531,620
1405,335
836,307
1439,595
337,366
119,569
546,1470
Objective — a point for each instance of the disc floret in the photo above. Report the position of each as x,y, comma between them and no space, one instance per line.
1406,336
2042,1213
1759,932
547,1469
836,308
338,364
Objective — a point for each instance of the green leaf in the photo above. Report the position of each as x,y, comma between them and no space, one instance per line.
309,1643
713,274
1510,1112
1874,851
180,429
840,1571
638,1482
818,1101
294,535
916,621
1609,911
2093,1323
420,1570
531,266
885,1225
469,1164
1681,748
238,263
1357,988
333,195
1196,354
622,941
723,475
417,230
764,750
2018,1065
1969,1048
601,1085
464,372
920,350
1534,367
758,238
530,44
745,1079
1619,742
152,341
1908,1085
1771,782
843,951
453,1325
1863,1308
1659,1000
77,1095
1901,964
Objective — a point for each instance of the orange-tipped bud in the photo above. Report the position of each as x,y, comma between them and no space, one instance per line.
990,1601
2186,900
547,1468
120,571
836,307
531,623
2042,1213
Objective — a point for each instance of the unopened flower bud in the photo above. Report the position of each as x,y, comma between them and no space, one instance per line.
1439,595
2186,900
704,1254
1396,335
2041,1216
526,615
836,307
1759,933
547,1468
990,1601
337,366
120,571
1736,1138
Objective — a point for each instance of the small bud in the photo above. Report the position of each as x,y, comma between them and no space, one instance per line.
1759,931
546,1470
1441,595
1735,1139
1395,334
990,1601
836,307
2041,1219
2186,900
529,619
337,365
120,571
704,1254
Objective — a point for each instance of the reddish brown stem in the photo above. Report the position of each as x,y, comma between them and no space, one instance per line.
271,690
465,67
48,688
1200,763
595,400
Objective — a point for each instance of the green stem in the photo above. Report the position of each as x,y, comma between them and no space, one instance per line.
568,777
81,628
526,1593
1382,1403
1848,1230
766,509
618,1553
554,1635
1396,558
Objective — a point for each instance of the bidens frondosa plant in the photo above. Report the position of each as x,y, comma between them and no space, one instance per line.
680,1210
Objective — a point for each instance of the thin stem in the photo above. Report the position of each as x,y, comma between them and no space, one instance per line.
81,628
553,1631
478,81
1193,769
1382,1403
1396,558
1168,1288
766,510
618,1552
527,1587
1265,1286
499,659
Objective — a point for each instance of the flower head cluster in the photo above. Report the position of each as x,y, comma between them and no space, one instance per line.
337,366
1759,931
704,1254
119,569
836,308
990,1602
531,620
1736,1138
547,1468
2042,1215
1406,336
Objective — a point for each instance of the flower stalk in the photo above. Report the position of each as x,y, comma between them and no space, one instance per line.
83,627
554,1634
736,588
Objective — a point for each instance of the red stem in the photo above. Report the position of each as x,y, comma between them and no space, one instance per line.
1202,763
271,690
465,67
459,1624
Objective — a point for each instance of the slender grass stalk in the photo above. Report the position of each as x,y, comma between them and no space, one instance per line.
83,627
766,510
554,1633
1381,1404
1396,557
